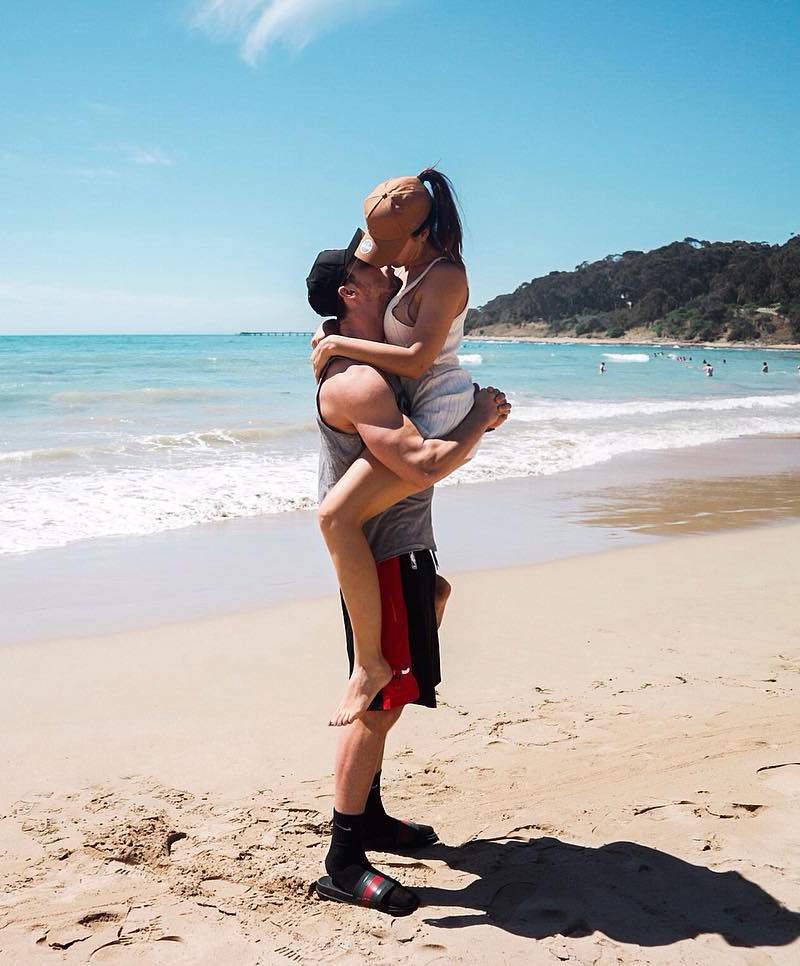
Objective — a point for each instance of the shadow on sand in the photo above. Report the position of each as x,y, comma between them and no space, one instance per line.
634,894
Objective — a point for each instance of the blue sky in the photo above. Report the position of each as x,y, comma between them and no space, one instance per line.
175,165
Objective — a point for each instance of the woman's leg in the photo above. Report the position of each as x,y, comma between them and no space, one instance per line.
366,489
440,598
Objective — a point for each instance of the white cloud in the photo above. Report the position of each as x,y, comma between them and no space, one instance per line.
137,153
91,173
146,155
256,24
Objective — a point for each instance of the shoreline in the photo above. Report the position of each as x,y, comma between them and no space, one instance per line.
591,773
212,569
657,343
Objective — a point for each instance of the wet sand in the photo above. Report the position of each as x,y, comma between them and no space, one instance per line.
537,332
698,506
104,586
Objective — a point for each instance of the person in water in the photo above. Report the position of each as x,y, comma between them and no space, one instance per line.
413,226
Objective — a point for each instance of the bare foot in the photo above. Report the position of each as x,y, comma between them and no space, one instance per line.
364,684
441,596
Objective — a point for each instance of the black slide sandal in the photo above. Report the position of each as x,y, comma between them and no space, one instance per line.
373,890
407,837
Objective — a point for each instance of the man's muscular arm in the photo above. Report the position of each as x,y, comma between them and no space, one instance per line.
362,398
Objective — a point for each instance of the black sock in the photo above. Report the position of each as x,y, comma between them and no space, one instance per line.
376,821
380,825
374,810
346,862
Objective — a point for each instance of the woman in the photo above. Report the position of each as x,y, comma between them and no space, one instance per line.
419,232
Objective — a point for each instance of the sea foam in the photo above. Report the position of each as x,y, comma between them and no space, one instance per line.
627,356
53,511
549,410
106,436
211,483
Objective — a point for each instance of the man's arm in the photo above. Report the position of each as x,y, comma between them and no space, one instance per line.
369,404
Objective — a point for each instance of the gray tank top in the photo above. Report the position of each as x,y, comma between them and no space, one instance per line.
404,527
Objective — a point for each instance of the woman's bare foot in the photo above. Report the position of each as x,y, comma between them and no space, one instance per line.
440,598
364,684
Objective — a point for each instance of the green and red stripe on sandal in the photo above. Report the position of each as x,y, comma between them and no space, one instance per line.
373,890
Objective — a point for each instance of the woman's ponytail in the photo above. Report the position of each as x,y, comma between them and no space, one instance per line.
444,221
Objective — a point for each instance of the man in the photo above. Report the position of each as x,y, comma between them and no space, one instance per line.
357,407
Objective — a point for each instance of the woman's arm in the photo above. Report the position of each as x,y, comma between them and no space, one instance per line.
445,293
398,359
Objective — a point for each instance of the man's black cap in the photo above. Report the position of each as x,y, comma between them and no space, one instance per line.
329,272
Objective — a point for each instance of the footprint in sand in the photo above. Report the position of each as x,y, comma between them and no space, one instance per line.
783,778
221,888
524,903
667,811
62,937
93,932
102,918
529,731
687,811
293,955
164,951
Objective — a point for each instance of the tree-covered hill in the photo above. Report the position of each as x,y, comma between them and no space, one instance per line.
690,290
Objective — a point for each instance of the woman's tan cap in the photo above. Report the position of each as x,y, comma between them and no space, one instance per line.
393,210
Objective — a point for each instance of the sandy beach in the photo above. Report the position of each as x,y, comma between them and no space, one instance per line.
641,335
579,231
614,773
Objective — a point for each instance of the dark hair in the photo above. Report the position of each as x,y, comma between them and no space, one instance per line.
444,221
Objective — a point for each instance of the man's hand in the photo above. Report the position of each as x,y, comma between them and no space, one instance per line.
491,406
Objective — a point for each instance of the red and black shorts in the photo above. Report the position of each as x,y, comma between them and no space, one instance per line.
409,639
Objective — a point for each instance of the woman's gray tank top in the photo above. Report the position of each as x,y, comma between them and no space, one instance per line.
404,527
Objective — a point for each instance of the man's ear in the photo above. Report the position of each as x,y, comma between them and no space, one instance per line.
346,293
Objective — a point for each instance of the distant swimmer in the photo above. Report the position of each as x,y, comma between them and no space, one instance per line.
764,367
602,368
709,369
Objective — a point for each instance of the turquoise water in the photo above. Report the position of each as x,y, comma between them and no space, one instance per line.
104,435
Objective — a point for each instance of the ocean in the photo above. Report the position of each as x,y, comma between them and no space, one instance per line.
123,435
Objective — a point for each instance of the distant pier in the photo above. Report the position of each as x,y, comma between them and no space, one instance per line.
284,333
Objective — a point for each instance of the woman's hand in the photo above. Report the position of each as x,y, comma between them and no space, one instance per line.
322,353
327,328
318,336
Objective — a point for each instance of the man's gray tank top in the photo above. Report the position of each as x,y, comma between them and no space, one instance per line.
404,527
